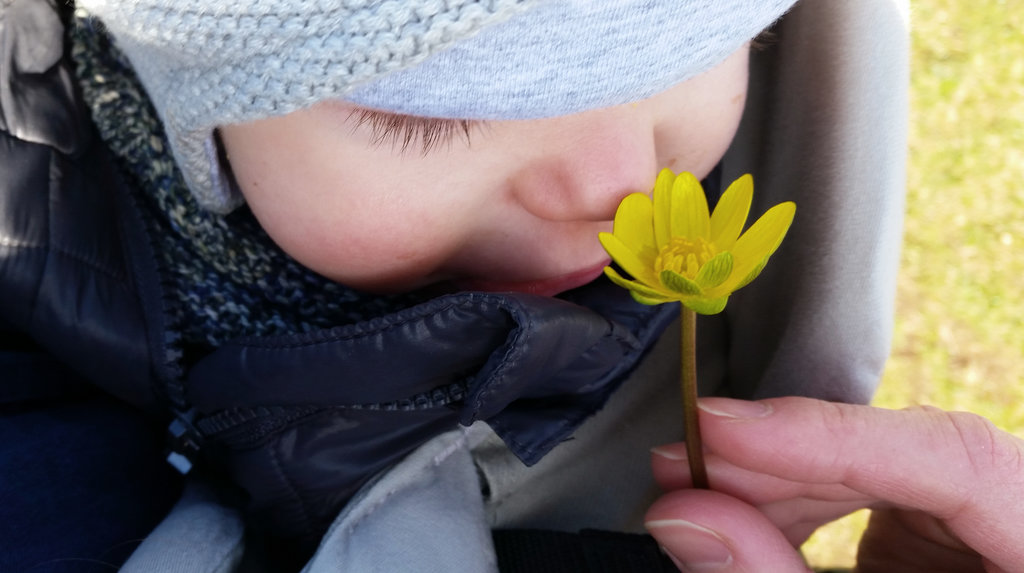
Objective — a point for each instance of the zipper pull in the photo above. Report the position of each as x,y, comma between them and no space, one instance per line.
185,442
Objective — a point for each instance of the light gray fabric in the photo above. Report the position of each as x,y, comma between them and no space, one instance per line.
601,478
567,56
425,515
200,535
207,63
826,126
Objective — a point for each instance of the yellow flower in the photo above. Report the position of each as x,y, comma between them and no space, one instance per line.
675,251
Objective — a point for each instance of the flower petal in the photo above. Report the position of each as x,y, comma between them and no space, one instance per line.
663,206
762,238
628,259
638,289
706,305
731,213
689,209
715,271
678,209
680,284
634,226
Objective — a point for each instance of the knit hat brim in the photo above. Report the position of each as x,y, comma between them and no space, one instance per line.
564,57
206,64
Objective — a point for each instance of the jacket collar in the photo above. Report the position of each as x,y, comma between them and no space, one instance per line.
516,360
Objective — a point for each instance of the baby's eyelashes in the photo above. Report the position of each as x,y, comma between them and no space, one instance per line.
402,131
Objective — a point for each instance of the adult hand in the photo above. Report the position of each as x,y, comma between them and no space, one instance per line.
947,488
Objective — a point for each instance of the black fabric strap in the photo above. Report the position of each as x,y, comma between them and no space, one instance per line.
591,551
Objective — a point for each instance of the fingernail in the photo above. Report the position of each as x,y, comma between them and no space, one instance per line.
669,453
731,408
694,548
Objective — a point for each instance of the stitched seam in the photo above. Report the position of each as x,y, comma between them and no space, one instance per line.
9,242
514,350
380,330
34,303
292,491
255,343
54,185
93,264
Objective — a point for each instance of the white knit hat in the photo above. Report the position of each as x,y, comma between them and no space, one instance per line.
206,63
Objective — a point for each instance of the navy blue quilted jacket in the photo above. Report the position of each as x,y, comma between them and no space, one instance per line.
298,422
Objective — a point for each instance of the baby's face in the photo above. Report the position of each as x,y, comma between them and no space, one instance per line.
518,208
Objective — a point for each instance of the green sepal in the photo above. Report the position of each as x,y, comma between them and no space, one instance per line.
706,306
715,271
641,292
648,301
680,284
752,274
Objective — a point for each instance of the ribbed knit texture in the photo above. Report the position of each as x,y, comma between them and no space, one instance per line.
222,275
207,63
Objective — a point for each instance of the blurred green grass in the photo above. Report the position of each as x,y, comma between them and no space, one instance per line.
959,334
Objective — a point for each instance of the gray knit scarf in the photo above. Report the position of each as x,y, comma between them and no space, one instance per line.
223,276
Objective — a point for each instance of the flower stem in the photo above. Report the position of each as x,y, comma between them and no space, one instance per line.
688,379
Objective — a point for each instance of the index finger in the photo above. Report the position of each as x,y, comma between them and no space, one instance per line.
953,465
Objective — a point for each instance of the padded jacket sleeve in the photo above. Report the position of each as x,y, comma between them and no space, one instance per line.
59,215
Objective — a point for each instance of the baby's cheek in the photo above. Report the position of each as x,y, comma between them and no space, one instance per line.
377,258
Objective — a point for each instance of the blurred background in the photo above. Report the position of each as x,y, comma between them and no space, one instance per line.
959,337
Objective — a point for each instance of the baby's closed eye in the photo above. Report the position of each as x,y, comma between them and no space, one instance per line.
402,131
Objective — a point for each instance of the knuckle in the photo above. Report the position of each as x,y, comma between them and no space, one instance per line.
991,452
838,422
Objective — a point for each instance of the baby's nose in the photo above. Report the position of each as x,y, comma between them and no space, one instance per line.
587,179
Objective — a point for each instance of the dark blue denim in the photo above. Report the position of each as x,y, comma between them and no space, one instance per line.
82,478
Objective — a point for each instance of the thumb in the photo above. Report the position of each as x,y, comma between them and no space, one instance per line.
709,531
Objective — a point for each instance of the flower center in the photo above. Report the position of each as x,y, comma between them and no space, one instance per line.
684,256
